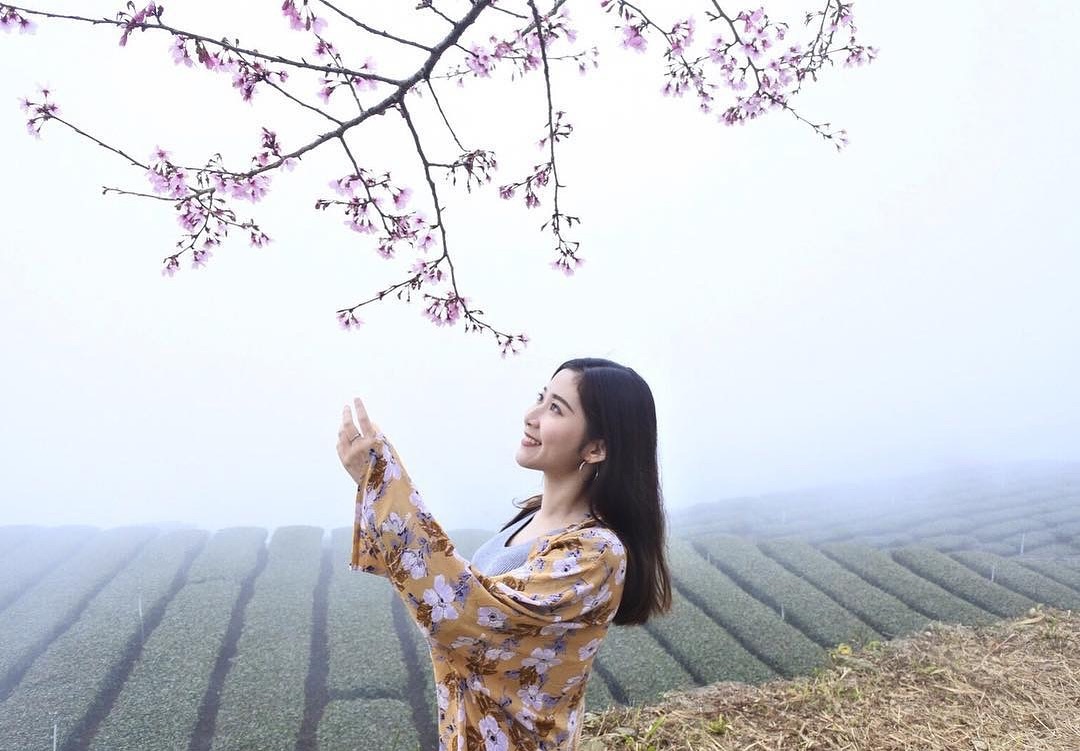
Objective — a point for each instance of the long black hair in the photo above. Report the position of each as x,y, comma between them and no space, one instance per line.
625,494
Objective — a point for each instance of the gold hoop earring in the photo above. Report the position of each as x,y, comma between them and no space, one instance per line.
595,475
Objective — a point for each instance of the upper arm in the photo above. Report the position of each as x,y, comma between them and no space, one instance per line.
574,577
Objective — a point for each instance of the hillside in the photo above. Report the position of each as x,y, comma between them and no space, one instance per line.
175,638
1011,685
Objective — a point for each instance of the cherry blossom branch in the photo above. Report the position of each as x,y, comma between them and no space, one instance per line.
746,49
555,131
131,25
442,114
377,32
453,306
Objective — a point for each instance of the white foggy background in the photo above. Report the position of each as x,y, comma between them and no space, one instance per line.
803,316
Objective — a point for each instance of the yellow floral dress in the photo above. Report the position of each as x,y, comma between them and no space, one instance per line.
511,653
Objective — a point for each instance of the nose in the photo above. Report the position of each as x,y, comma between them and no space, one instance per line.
529,415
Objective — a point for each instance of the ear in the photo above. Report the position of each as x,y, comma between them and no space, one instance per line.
596,449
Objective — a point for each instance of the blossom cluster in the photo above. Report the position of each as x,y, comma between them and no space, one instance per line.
348,319
445,311
750,55
39,111
246,75
362,192
202,209
271,148
541,173
138,19
429,271
522,49
329,85
12,19
746,53
302,18
478,165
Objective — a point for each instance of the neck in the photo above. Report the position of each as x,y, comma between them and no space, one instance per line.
563,500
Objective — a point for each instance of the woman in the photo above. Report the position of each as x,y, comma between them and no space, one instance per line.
512,651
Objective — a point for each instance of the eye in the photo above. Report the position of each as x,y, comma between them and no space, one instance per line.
540,396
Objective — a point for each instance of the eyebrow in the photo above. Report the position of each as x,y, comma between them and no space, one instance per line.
556,396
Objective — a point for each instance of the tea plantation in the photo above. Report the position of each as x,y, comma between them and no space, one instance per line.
147,638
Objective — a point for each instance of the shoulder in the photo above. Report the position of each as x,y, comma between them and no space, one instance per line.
597,543
604,537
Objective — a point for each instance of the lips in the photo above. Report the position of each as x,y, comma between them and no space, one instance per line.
530,438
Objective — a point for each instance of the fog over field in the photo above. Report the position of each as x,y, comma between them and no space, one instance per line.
804,317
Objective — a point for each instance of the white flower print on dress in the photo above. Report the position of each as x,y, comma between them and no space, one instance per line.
499,654
416,499
494,737
534,698
465,641
573,681
558,629
599,598
490,618
566,566
542,659
394,524
475,683
587,651
441,600
393,467
510,652
526,717
414,562
571,723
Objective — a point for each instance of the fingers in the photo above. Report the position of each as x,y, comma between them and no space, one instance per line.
366,428
347,432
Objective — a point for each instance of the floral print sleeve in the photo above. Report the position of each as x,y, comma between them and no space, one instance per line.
511,653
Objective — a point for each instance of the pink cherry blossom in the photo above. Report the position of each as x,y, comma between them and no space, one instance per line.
11,19
401,197
362,225
180,52
633,39
191,215
748,62
480,61
199,257
136,20
347,319
430,272
445,312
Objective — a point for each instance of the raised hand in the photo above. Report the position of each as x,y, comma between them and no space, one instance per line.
354,443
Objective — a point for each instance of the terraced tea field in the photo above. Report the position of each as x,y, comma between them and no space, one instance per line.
141,638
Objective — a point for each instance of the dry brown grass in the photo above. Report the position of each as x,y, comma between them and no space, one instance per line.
1012,685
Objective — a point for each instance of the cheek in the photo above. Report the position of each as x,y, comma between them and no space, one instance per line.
553,431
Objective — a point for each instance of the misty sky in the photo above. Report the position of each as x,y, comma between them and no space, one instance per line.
802,316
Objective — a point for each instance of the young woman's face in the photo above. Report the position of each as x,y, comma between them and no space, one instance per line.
556,420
